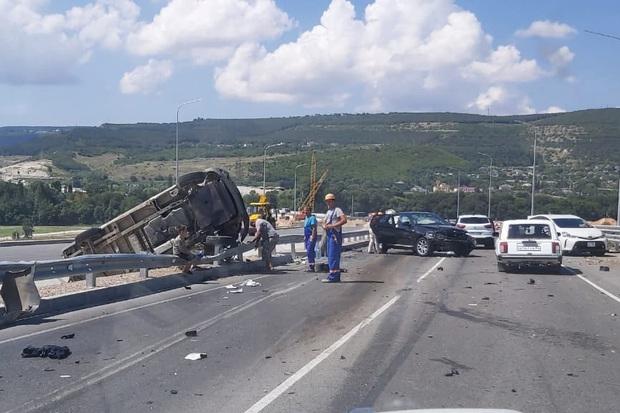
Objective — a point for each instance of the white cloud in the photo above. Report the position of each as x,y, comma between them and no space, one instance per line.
498,100
208,30
486,99
554,109
561,57
401,55
145,79
47,48
547,29
505,65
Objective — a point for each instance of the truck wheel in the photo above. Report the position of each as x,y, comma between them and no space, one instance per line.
192,178
423,247
88,235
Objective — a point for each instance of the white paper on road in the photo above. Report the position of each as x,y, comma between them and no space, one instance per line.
251,283
237,291
196,356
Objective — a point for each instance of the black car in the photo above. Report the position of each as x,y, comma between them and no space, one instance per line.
424,232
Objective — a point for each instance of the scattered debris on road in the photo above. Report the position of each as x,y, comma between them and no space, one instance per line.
439,268
485,298
469,287
67,336
550,295
191,333
342,357
251,283
531,281
188,287
49,350
490,283
614,314
65,376
173,391
603,268
267,357
237,291
49,369
453,372
196,356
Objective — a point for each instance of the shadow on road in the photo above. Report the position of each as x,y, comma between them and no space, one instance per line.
565,271
361,282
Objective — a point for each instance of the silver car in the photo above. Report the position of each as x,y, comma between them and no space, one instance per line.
479,227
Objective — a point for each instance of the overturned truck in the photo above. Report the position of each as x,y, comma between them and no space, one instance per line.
208,203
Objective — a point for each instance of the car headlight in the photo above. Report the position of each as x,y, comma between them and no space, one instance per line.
430,235
567,235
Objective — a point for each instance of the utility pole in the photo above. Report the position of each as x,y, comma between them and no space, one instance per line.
618,215
490,174
265,164
458,194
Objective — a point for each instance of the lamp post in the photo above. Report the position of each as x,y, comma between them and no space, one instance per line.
176,172
618,215
295,187
534,172
458,194
490,170
265,163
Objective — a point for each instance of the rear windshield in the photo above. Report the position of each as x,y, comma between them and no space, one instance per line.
538,231
474,220
571,223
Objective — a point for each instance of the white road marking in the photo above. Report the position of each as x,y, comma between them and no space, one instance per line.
99,317
286,384
601,289
139,356
423,276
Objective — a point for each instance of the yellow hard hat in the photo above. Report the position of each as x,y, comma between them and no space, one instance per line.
330,197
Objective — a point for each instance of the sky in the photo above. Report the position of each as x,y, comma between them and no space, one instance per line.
88,62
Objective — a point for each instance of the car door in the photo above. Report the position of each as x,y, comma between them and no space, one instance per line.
385,229
404,230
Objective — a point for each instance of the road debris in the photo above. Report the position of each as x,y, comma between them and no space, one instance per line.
231,287
49,369
550,295
603,268
251,283
531,281
469,287
439,268
65,376
490,283
267,357
188,287
485,298
342,357
196,356
174,391
614,314
237,291
191,333
453,372
50,350
67,336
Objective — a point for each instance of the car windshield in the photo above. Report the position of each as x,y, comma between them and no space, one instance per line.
474,220
537,231
428,219
571,223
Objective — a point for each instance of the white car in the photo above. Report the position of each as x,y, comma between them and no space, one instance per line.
528,242
479,227
576,235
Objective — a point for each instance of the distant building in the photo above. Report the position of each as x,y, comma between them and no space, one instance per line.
505,187
467,189
442,187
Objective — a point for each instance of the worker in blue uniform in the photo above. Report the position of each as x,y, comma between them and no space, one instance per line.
334,220
310,235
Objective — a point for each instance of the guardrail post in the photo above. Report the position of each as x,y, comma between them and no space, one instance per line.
293,252
216,250
144,273
91,280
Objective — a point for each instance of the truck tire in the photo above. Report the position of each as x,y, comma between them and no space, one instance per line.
191,178
89,235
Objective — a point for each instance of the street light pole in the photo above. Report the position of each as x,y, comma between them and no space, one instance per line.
458,194
265,164
295,187
490,171
618,215
176,163
534,172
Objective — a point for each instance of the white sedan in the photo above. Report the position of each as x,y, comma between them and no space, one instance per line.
576,235
528,242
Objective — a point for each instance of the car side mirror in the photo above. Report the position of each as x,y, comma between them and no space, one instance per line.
496,234
559,234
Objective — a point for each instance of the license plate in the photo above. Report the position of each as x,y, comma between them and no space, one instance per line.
528,247
591,244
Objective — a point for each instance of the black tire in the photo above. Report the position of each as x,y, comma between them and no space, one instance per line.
192,178
423,247
462,252
556,269
501,267
490,244
384,248
89,235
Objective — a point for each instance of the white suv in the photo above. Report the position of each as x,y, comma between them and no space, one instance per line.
479,227
576,235
528,242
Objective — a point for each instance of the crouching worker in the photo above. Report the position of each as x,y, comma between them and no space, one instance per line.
181,247
266,238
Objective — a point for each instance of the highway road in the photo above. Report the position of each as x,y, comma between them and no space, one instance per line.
39,252
400,332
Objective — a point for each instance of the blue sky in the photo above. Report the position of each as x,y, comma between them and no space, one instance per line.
122,61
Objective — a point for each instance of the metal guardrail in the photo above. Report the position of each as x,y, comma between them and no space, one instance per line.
21,296
613,237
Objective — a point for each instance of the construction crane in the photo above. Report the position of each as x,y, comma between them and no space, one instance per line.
315,185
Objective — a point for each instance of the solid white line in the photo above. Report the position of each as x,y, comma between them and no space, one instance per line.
431,270
275,393
139,356
601,289
99,317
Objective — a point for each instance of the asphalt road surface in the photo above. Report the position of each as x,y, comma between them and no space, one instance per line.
41,252
400,332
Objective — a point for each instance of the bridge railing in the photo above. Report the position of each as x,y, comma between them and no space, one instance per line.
613,237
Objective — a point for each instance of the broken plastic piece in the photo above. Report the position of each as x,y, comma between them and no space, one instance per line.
191,333
237,291
231,286
531,281
439,268
67,336
196,356
603,268
65,376
251,283
51,351
453,372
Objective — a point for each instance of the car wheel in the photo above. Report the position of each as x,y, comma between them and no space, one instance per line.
423,247
556,269
463,252
501,267
384,248
490,244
